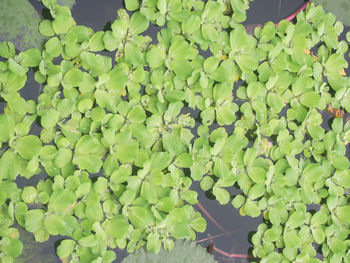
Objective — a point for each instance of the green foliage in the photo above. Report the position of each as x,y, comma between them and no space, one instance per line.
19,24
340,8
125,121
183,251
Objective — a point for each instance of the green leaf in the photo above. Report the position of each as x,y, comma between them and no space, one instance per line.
29,194
257,190
63,23
183,251
180,50
61,200
190,197
172,144
291,239
28,146
7,127
140,217
272,234
73,77
343,212
19,24
319,235
66,248
138,23
339,162
238,201
134,55
225,115
319,218
342,178
137,114
340,8
54,224
191,25
13,248
64,157
313,172
88,241
296,219
310,99
222,195
247,63
238,38
89,162
34,219
184,160
7,49
30,58
127,152
155,57
49,119
132,5
148,192
89,145
251,208
53,47
10,165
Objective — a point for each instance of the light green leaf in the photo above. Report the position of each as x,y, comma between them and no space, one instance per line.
7,127
137,114
184,160
63,23
10,165
34,219
251,208
13,248
155,57
61,200
296,219
127,152
30,58
66,248
140,217
343,212
28,146
73,77
132,5
49,119
29,194
138,23
310,99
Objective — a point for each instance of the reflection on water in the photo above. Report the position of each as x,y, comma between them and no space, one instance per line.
35,252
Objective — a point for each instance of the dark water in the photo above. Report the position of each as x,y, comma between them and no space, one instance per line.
97,14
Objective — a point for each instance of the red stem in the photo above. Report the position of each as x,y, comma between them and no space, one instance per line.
292,16
210,217
212,237
231,255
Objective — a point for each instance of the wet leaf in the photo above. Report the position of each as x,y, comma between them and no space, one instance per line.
19,24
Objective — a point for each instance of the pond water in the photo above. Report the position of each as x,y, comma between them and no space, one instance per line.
97,14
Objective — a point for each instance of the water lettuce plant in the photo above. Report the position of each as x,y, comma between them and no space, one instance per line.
123,138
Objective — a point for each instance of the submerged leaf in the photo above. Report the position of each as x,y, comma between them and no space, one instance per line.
19,23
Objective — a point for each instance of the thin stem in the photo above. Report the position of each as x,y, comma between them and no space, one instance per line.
210,217
212,237
292,16
231,255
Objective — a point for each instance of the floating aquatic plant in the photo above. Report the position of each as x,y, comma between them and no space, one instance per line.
125,117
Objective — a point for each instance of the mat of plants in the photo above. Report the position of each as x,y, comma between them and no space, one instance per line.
129,123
